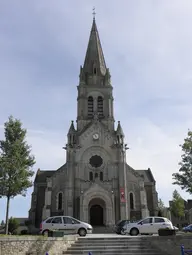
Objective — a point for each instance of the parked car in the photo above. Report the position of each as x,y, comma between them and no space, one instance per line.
119,227
149,225
188,228
176,228
67,224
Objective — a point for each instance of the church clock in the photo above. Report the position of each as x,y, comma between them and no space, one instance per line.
95,136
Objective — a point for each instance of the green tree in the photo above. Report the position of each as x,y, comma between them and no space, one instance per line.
177,206
184,177
161,208
13,225
2,223
15,162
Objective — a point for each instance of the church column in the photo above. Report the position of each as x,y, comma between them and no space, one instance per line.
123,187
47,205
143,197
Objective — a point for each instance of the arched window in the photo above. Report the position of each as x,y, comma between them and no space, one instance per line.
90,106
131,199
96,175
94,70
101,176
60,201
100,105
90,176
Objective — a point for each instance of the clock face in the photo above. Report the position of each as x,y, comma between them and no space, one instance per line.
96,136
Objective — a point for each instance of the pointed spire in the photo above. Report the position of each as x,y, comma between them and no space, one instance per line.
72,128
119,129
94,59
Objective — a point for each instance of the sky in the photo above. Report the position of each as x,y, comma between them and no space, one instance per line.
147,47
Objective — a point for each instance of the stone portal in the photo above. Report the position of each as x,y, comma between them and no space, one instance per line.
97,212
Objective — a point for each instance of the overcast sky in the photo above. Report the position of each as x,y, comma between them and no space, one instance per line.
147,46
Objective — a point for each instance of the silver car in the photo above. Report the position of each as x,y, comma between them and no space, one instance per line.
67,224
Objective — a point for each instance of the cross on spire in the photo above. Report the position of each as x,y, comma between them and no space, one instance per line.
94,13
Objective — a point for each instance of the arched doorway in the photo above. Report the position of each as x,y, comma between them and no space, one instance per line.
96,215
97,212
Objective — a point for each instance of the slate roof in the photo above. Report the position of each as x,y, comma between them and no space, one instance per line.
42,175
94,52
147,175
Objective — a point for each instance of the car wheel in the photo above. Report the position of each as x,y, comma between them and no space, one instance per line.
123,231
134,232
82,232
45,232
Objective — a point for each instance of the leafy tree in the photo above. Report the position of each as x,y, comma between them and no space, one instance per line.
177,206
15,162
2,223
184,177
161,208
13,225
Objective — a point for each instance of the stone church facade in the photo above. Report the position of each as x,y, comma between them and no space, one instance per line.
96,184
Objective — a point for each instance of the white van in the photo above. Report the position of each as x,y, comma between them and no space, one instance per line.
67,224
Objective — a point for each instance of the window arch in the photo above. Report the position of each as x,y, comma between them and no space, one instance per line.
131,200
90,106
101,176
91,176
100,105
60,201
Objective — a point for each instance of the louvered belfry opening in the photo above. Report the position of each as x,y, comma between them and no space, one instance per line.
90,107
100,106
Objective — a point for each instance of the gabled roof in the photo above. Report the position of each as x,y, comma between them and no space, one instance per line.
41,175
146,174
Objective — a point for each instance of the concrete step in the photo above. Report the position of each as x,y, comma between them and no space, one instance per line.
112,246
115,252
122,246
108,248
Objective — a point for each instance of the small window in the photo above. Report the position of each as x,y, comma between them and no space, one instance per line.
131,201
94,70
96,175
101,176
67,220
146,221
49,220
158,220
60,201
90,176
57,220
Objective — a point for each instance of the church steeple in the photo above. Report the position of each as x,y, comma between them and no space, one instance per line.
94,60
95,97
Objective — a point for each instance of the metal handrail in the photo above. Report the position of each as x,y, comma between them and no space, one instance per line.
185,252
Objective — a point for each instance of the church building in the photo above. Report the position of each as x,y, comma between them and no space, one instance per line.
96,184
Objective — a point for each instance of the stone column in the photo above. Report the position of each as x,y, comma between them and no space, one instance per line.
47,205
143,198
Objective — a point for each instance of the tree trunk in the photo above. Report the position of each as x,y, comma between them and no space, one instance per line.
7,216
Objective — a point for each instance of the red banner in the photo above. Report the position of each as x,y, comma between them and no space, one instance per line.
122,195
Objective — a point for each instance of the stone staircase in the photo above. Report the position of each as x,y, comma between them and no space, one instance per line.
113,246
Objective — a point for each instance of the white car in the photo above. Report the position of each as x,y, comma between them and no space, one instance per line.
149,225
67,224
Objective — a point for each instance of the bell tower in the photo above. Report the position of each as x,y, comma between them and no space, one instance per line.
95,99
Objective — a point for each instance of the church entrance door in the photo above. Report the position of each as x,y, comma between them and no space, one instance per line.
96,215
97,212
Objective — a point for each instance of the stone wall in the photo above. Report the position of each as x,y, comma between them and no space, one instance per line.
31,245
171,245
